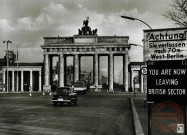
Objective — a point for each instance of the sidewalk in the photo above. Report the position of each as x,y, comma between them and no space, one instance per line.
142,112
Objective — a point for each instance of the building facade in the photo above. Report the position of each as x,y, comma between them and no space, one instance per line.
21,76
85,45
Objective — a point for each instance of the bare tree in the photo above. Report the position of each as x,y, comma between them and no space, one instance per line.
178,13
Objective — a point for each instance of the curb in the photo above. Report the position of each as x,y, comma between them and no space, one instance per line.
136,122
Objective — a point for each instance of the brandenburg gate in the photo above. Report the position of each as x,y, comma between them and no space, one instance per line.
86,43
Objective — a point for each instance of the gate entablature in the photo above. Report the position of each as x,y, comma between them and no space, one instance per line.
85,39
86,44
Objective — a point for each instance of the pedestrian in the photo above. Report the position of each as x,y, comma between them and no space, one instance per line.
30,91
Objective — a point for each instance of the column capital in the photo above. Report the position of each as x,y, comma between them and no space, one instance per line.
111,54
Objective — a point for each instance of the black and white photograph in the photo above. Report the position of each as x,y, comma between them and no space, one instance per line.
93,67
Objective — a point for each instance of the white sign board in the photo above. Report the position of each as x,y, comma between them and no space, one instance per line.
165,44
46,88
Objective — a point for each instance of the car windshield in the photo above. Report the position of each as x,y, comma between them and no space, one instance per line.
63,90
78,84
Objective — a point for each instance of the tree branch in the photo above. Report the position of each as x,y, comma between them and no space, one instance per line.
178,13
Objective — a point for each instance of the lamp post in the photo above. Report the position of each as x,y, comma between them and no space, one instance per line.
149,104
132,18
7,56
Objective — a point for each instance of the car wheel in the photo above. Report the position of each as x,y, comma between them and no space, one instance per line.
75,103
54,103
69,103
61,104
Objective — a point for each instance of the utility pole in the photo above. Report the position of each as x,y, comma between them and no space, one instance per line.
7,56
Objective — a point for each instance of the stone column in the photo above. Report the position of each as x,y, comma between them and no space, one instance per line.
22,83
132,78
31,79
99,75
96,77
141,83
13,81
40,81
46,69
111,73
50,70
145,83
17,81
61,73
125,71
4,79
76,67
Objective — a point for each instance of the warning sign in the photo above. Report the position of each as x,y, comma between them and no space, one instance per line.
166,80
165,44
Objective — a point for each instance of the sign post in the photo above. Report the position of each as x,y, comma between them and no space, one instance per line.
165,51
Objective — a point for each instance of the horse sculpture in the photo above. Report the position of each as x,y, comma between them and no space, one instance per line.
86,30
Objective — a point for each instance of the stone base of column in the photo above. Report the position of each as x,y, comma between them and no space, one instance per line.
126,89
111,90
22,91
3,89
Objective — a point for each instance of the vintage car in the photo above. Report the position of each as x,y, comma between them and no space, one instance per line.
79,87
92,88
64,95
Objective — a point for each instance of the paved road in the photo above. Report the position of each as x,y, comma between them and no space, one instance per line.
95,114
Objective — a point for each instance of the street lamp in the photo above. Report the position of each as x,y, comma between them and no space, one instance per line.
149,105
8,41
132,18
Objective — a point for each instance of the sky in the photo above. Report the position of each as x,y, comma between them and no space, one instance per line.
26,22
